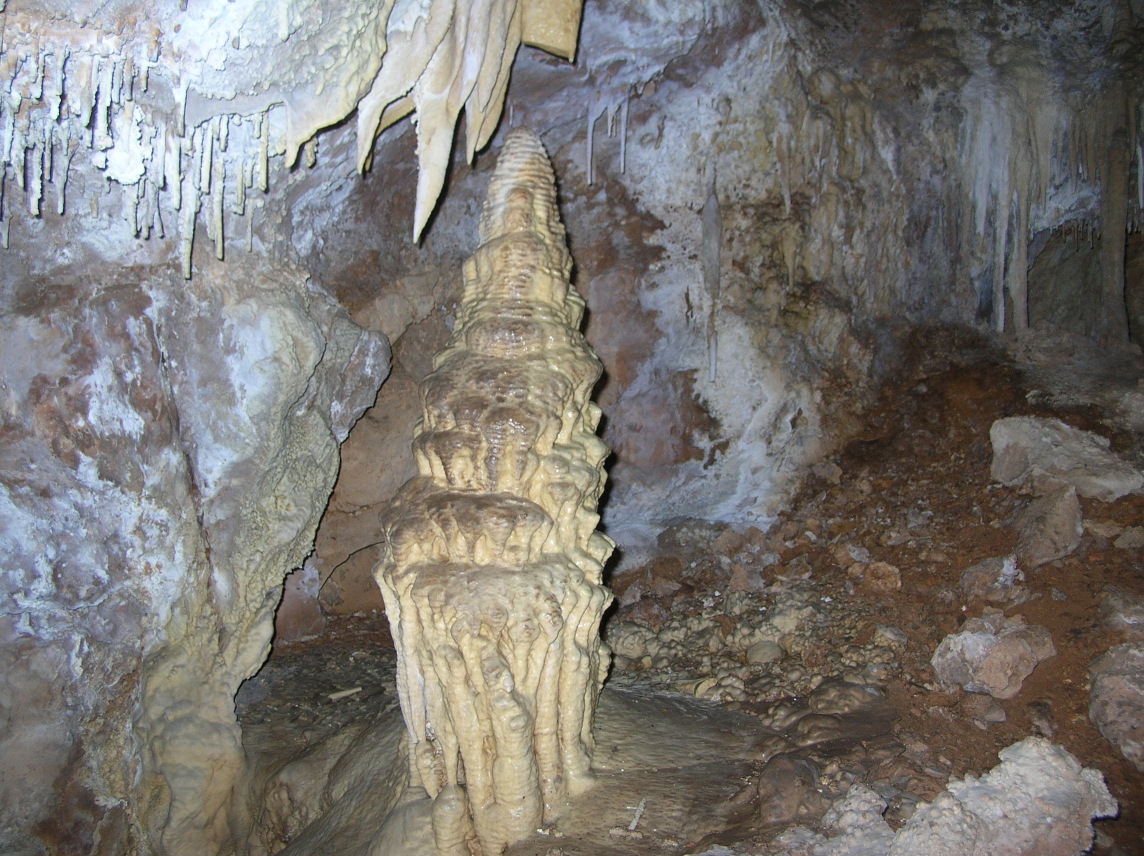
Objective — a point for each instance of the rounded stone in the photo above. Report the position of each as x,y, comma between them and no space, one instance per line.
766,651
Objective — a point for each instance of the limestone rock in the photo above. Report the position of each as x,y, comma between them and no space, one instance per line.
1006,812
764,651
171,453
492,565
329,799
787,792
991,578
1038,800
981,708
854,825
1117,700
1026,445
299,614
1131,539
1050,527
1124,612
992,654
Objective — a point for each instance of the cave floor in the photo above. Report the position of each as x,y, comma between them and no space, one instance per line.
912,490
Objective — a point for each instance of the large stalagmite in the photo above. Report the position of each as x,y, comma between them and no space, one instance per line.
492,570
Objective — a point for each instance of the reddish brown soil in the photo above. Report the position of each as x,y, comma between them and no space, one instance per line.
925,449
915,491
930,450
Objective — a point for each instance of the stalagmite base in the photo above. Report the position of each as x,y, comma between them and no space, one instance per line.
492,570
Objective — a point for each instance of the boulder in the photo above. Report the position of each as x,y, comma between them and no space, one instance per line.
1116,704
1050,527
1026,446
1131,539
1038,800
991,578
1123,612
787,792
992,654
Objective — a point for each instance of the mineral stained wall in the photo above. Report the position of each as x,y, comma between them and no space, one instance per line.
167,453
872,167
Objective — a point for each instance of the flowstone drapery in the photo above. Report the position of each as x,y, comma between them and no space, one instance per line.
492,570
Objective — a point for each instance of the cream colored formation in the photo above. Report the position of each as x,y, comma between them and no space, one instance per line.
184,117
492,572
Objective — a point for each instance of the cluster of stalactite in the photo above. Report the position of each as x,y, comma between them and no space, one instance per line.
188,143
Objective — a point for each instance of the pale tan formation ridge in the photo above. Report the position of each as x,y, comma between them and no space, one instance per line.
492,570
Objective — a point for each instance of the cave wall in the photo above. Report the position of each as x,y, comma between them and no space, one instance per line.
168,450
868,167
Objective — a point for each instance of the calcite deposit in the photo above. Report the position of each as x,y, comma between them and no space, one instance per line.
492,568
176,448
182,118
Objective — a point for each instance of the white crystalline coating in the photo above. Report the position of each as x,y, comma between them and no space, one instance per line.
492,567
88,85
1038,800
1035,156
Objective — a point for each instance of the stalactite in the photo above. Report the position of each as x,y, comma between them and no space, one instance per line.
36,189
5,220
624,133
1140,176
613,109
189,213
88,89
218,195
1113,227
62,181
712,242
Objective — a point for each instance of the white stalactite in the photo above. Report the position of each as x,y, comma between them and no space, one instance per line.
441,58
613,108
712,243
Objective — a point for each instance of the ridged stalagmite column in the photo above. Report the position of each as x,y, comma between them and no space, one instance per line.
492,571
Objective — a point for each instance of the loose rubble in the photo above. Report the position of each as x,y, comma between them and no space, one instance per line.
992,654
1117,707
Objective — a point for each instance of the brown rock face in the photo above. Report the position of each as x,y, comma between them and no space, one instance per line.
491,573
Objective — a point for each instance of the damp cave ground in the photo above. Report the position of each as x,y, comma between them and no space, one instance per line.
911,488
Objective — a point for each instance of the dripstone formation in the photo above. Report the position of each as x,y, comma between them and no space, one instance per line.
492,570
